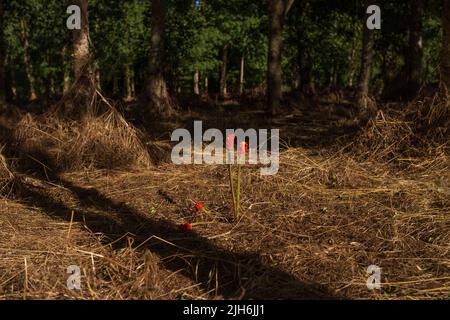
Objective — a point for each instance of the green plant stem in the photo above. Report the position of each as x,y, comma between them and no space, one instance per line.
238,192
232,190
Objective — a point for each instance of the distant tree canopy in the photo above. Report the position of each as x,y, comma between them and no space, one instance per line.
222,43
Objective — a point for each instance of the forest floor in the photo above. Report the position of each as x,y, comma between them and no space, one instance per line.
308,232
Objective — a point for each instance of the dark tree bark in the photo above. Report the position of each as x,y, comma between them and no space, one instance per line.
196,80
27,61
362,94
351,59
66,75
129,82
160,103
97,75
242,75
206,86
2,59
115,88
223,72
304,61
77,101
277,9
81,54
414,64
306,79
445,55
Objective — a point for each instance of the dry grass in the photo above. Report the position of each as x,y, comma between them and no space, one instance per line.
310,231
7,178
384,137
420,129
323,219
105,141
431,117
363,213
34,266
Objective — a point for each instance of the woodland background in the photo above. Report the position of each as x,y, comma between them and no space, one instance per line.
86,177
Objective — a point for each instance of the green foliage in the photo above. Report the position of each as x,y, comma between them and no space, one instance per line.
195,38
329,32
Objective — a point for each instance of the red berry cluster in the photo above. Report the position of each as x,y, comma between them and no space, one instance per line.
198,206
185,227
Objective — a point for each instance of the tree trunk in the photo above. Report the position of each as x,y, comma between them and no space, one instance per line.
27,61
98,79
277,9
414,63
206,89
223,72
129,83
161,105
2,60
196,79
79,102
445,55
334,76
362,94
66,76
133,88
11,93
241,75
352,65
49,86
305,70
115,90
304,81
81,54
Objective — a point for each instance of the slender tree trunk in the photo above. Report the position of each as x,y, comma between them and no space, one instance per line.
334,76
66,83
26,59
305,65
362,94
52,87
129,83
98,76
12,89
47,95
351,74
133,87
2,60
161,105
241,75
206,89
223,72
445,55
81,54
415,53
304,77
80,95
196,79
115,90
66,75
277,9
351,59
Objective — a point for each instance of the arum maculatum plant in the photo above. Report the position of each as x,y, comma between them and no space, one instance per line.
241,151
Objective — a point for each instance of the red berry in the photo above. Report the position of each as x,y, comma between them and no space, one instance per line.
185,227
198,206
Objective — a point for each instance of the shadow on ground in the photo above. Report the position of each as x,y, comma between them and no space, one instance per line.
223,273
226,274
